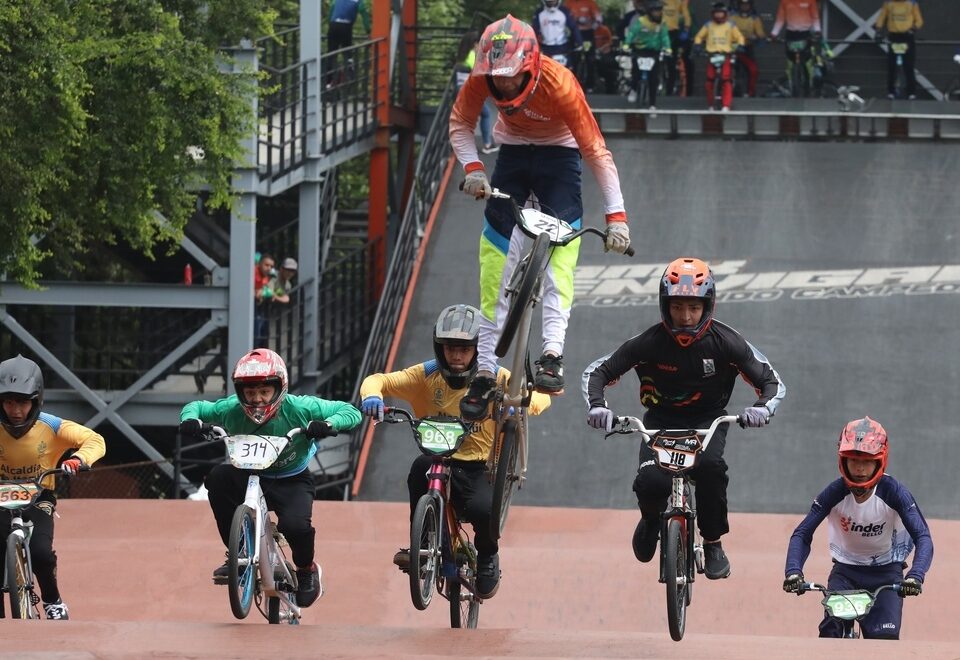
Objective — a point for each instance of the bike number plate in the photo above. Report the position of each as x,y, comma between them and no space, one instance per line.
900,48
676,452
717,60
440,437
254,452
797,46
535,222
848,606
560,59
17,496
645,63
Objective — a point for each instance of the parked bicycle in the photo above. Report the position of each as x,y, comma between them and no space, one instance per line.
676,452
645,61
441,553
847,606
899,50
18,496
257,565
798,75
508,455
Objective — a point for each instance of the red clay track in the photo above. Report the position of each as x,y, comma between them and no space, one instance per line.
136,574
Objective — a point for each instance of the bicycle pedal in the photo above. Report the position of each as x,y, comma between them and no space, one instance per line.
224,581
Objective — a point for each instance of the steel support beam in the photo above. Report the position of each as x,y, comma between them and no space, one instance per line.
85,294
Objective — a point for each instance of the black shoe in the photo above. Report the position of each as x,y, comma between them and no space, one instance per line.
309,587
645,540
488,575
716,564
402,559
549,378
221,574
476,402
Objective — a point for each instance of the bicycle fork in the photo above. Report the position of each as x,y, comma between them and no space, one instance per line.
265,555
681,506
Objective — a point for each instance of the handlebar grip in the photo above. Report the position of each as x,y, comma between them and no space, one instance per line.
629,251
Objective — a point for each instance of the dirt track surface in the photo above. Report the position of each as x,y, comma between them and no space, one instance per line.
136,575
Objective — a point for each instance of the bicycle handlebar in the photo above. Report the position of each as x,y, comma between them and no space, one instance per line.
814,586
219,433
628,424
496,194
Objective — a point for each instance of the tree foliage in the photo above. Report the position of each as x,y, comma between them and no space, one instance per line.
101,102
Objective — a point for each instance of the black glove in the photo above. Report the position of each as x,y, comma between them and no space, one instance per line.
319,429
910,587
193,427
794,583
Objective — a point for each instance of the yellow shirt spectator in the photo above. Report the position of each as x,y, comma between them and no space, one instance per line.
750,26
676,14
899,16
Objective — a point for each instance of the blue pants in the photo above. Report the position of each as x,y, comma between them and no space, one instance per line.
883,620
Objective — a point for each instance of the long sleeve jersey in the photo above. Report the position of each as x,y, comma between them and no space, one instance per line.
556,114
797,16
425,389
676,15
586,13
556,30
690,383
881,530
296,411
899,16
647,35
345,11
720,37
44,444
750,26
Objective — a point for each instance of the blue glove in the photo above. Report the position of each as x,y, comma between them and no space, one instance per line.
755,417
683,36
600,418
372,406
910,587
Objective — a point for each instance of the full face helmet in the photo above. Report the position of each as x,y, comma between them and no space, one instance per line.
457,325
261,366
719,11
551,4
746,7
20,378
654,10
864,439
687,277
507,48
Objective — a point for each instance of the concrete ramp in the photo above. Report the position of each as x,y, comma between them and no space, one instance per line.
136,575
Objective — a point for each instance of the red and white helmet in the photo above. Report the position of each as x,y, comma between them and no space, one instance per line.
864,439
509,47
261,366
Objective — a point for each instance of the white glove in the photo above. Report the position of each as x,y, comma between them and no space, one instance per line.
600,418
618,237
476,185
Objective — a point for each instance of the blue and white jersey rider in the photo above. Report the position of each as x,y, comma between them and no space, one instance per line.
556,30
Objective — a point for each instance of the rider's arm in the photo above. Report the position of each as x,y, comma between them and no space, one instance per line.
408,384
758,32
608,369
463,122
211,412
779,20
89,444
576,114
897,496
664,34
799,547
917,17
701,36
687,19
881,18
575,35
754,367
341,415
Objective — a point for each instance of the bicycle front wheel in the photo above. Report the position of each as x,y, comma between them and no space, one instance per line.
424,551
242,571
529,276
505,477
18,578
675,572
464,607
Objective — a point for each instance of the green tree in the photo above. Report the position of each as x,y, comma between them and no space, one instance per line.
101,104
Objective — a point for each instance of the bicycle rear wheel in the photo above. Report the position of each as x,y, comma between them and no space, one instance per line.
675,572
424,551
464,607
18,578
242,571
528,278
505,477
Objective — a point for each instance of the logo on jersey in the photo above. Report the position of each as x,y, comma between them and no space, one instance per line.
438,396
668,367
709,369
41,449
848,525
535,115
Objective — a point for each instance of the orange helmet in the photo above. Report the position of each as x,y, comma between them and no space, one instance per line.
509,47
261,366
687,277
865,439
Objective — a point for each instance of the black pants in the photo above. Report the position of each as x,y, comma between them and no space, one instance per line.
672,82
339,35
908,60
291,498
653,76
470,491
652,485
42,554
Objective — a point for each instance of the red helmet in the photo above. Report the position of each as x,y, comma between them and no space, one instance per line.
862,438
261,366
509,47
687,277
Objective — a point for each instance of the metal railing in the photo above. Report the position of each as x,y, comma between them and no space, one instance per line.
348,101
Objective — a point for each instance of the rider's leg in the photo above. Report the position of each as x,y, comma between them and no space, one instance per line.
652,488
711,477
472,495
753,73
43,555
227,486
726,86
417,480
292,500
557,185
891,73
908,61
883,621
670,76
708,85
4,533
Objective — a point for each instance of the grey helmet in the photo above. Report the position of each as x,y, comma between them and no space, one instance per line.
457,325
22,379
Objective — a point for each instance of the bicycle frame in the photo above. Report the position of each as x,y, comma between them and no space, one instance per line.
267,555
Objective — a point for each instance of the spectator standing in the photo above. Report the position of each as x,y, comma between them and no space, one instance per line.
262,295
557,32
899,19
587,16
343,16
751,27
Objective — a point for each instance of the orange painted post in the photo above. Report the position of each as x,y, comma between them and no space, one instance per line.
380,156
